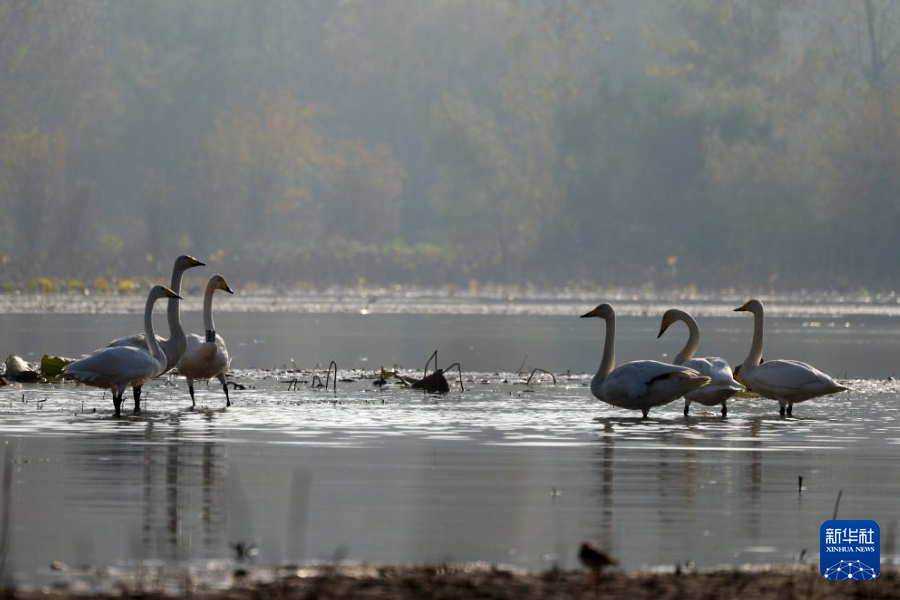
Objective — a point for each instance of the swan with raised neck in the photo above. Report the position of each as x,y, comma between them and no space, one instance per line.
787,381
117,367
722,385
639,384
207,356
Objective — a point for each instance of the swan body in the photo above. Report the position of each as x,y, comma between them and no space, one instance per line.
722,385
641,384
118,367
206,356
788,381
175,346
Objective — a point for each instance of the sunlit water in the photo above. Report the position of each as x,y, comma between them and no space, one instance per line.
500,472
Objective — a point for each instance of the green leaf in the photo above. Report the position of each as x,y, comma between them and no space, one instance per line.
52,366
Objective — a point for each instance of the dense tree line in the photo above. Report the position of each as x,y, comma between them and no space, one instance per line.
671,143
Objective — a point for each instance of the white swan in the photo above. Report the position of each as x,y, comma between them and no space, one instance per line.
207,357
787,381
641,384
175,346
722,385
117,368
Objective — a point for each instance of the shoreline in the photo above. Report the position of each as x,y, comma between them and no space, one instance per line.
474,581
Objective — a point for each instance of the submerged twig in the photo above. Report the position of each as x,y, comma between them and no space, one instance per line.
535,370
837,504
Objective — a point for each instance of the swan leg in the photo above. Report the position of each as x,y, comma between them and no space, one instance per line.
781,404
687,407
191,390
137,400
117,403
790,409
724,410
225,387
646,411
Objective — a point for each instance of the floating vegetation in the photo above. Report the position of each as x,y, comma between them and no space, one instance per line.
52,367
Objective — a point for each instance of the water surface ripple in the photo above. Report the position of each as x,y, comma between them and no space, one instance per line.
501,472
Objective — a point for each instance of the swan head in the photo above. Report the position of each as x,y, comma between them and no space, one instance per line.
218,283
603,311
753,306
673,315
161,291
185,262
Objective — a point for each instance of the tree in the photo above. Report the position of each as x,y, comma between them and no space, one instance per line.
362,193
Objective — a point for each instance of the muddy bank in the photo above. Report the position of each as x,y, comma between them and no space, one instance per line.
455,581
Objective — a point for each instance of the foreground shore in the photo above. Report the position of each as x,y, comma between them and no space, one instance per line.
457,581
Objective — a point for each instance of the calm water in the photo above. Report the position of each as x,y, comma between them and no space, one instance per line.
500,473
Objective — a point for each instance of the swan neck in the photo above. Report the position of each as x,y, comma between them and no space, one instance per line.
693,342
208,324
609,351
152,343
756,347
173,312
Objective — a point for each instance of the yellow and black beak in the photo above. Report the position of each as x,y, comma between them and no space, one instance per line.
171,294
592,313
196,263
226,288
742,308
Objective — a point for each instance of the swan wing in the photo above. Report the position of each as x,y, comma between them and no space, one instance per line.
138,340
717,369
118,365
788,378
637,379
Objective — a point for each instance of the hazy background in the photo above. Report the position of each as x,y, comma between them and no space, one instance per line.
667,143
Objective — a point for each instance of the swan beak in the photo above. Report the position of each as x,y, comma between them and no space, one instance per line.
593,313
662,329
742,308
228,289
197,263
171,294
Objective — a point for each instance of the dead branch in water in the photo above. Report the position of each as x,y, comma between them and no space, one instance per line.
328,378
432,357
522,366
459,369
536,369
436,383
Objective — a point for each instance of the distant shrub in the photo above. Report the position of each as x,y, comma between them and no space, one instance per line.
43,285
75,285
102,285
128,285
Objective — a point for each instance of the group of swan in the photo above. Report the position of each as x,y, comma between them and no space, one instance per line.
639,385
643,384
139,358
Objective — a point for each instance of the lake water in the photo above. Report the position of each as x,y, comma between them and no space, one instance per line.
501,472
